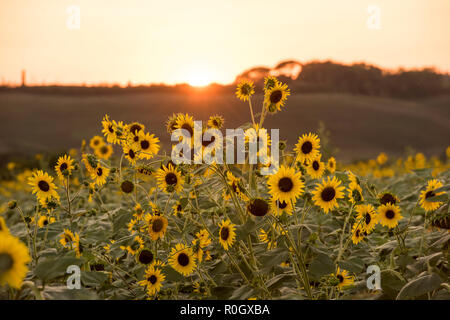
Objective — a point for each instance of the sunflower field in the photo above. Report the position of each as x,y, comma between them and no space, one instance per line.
135,225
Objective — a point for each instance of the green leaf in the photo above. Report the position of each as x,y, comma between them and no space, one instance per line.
242,293
439,198
420,286
321,266
62,293
52,268
93,279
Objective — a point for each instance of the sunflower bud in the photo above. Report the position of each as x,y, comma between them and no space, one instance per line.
12,204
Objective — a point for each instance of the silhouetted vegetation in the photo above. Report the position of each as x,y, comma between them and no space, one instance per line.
315,76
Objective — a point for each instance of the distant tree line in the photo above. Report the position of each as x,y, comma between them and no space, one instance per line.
311,77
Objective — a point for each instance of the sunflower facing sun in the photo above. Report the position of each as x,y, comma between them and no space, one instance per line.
389,215
169,179
227,234
182,259
307,147
326,194
276,96
245,90
43,186
286,185
430,192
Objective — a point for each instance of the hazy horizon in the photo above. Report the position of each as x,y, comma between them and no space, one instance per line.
202,41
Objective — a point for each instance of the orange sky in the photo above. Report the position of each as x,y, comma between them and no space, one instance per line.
199,41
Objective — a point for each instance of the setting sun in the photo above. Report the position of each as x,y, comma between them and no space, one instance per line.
199,80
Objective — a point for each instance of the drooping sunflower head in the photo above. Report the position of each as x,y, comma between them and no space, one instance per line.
90,162
307,147
145,256
270,82
14,257
216,121
171,123
227,234
286,185
245,90
268,238
275,97
389,215
144,172
358,233
203,237
344,279
127,186
430,192
169,179
387,197
182,259
64,167
326,194
66,238
135,128
258,207
131,153
315,168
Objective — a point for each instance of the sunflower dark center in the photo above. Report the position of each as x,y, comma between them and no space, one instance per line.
429,194
99,172
171,178
245,89
127,186
328,194
63,166
6,262
316,165
157,225
281,204
145,144
276,96
340,278
388,198
45,222
131,154
224,233
135,128
183,259
43,185
207,143
111,129
146,256
368,218
152,279
98,267
188,127
258,207
215,123
307,147
356,195
285,184
390,214
104,150
179,208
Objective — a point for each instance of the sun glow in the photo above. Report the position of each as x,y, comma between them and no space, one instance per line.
199,79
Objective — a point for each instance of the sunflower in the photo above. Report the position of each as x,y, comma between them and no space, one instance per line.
236,186
64,167
277,207
367,216
258,207
138,212
135,247
182,259
227,233
171,123
95,142
260,137
387,197
326,194
270,82
153,280
358,233
135,128
127,186
43,186
286,184
131,153
197,250
144,172
203,236
429,192
44,221
344,278
316,168
177,208
90,162
104,151
3,226
145,256
14,257
215,122
245,90
186,122
67,238
307,147
355,193
147,144
331,165
157,226
389,215
109,129
275,97
267,238
100,174
169,179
